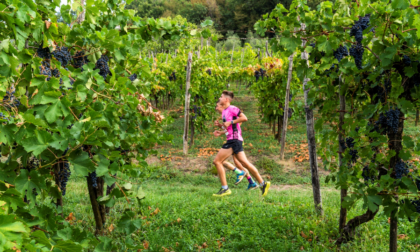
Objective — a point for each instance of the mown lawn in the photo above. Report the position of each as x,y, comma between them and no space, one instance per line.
189,219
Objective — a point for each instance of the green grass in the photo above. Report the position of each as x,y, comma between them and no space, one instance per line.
190,219
244,221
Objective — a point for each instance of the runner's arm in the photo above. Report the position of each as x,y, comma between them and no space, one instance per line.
241,118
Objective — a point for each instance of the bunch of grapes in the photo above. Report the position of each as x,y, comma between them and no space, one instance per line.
79,59
208,71
45,69
94,179
356,51
43,52
332,68
416,204
172,77
340,53
11,100
102,65
63,55
123,152
63,177
389,121
2,116
257,75
342,144
262,73
401,168
359,26
367,174
133,77
406,60
197,112
290,97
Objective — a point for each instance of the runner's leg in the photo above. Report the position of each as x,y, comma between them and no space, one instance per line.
264,185
218,162
251,168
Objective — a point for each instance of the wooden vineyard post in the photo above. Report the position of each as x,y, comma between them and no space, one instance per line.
231,58
343,192
208,41
187,104
175,52
266,49
310,132
282,139
242,56
198,54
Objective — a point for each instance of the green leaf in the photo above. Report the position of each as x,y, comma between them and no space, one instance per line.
41,238
11,231
374,201
410,184
400,4
206,23
68,246
81,163
53,112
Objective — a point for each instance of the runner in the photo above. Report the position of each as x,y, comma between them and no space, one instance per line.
232,117
240,171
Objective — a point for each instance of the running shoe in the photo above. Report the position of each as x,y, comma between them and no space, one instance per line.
252,186
223,192
265,187
240,177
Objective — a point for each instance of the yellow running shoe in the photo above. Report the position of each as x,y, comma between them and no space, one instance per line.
265,187
223,192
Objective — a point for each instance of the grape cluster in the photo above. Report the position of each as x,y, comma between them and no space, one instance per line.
197,112
63,177
406,60
359,26
340,53
257,75
416,204
389,122
62,54
172,77
123,152
133,77
352,152
289,114
45,69
367,174
94,179
356,51
43,52
208,71
102,65
332,68
2,116
401,168
342,144
80,59
11,100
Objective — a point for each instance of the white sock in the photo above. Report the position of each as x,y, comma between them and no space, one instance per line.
225,187
262,183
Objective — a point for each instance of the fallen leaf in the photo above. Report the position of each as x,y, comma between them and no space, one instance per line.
303,234
178,220
150,208
301,248
204,245
111,228
155,212
146,245
402,236
176,244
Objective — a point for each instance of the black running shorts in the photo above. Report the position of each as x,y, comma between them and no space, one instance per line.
235,144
